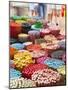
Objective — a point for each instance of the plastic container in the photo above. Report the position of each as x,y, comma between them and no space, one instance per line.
15,29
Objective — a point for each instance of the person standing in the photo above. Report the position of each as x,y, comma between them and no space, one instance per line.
42,8
32,8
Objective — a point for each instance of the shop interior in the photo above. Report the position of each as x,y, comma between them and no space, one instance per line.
37,44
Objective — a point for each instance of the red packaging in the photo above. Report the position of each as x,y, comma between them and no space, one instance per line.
54,30
33,47
30,69
15,29
60,37
44,32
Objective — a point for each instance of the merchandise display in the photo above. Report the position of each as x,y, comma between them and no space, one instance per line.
50,38
61,70
44,32
30,69
64,57
12,41
17,46
60,37
26,27
15,29
12,64
20,21
22,59
37,48
62,43
46,77
37,26
16,17
34,33
57,54
39,53
22,83
23,37
41,60
33,47
12,52
55,30
14,73
49,46
54,63
25,44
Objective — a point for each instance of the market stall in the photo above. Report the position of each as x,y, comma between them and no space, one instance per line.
37,45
